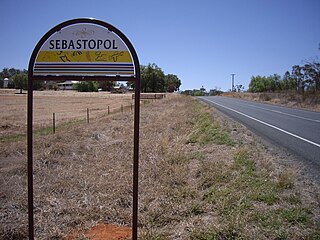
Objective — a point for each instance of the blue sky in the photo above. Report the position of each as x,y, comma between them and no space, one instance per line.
202,41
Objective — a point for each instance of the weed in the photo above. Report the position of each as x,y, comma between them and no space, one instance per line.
315,235
286,180
213,174
207,132
293,199
204,235
215,235
276,219
261,188
269,219
265,191
244,162
12,138
194,210
296,215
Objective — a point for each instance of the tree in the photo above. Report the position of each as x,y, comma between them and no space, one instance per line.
287,82
20,81
152,78
257,84
5,73
301,79
239,87
298,77
172,83
90,86
265,84
106,85
311,72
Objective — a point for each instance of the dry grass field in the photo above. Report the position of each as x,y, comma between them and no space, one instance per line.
201,176
67,106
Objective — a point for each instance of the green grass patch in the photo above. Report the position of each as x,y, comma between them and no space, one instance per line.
296,215
259,187
207,132
13,138
244,162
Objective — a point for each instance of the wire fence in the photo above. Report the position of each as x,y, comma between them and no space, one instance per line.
91,113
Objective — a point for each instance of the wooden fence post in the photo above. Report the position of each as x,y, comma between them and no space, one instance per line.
54,123
88,115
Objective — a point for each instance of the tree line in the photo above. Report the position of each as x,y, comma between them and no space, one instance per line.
153,79
300,79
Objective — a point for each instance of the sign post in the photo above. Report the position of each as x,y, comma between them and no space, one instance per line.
84,49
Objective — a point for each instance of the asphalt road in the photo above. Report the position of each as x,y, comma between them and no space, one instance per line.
296,130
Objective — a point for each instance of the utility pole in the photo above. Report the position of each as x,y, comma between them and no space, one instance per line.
232,87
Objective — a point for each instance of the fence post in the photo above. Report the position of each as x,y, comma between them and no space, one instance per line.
108,110
88,115
121,108
54,123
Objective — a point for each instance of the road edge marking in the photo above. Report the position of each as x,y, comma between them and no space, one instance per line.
287,114
267,124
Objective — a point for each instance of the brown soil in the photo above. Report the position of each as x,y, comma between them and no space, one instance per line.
103,232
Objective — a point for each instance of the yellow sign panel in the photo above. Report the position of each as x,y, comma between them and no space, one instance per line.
84,56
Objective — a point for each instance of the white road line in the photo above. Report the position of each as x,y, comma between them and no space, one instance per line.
267,124
288,114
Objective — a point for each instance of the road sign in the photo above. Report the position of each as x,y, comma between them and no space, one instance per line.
86,50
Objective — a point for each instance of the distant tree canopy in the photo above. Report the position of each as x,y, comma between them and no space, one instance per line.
154,80
301,79
19,78
90,86
172,83
20,81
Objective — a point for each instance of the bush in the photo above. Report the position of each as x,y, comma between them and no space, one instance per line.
87,86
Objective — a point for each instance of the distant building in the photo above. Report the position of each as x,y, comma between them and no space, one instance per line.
5,82
67,85
119,89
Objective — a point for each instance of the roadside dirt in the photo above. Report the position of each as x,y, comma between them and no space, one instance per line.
103,232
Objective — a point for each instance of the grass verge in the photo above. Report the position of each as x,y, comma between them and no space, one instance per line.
197,180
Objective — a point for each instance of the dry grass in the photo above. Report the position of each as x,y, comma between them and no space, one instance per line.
199,179
307,100
67,106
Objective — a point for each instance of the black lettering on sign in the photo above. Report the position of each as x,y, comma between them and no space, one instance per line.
114,44
78,44
107,44
82,44
99,43
64,44
51,44
92,44
57,44
71,45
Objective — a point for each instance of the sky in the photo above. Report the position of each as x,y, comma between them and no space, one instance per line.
203,42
